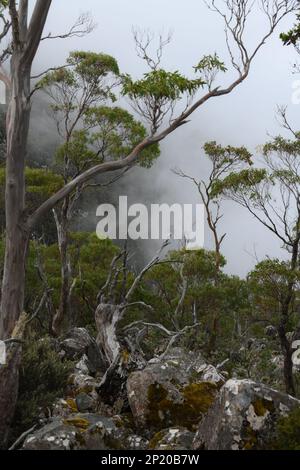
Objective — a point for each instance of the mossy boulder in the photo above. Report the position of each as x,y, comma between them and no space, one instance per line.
85,431
244,417
172,391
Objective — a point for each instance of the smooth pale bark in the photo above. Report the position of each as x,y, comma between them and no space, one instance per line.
25,45
107,317
18,118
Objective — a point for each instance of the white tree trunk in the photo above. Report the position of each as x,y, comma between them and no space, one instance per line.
107,317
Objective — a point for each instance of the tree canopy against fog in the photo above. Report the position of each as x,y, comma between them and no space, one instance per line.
270,191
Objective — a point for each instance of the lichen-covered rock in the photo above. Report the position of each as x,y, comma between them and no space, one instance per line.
77,343
243,417
81,383
80,394
177,438
175,390
85,432
85,403
54,436
64,407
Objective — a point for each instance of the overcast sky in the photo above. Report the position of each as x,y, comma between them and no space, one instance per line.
244,117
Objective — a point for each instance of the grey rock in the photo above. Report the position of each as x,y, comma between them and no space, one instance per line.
77,343
243,417
54,436
174,390
85,432
85,403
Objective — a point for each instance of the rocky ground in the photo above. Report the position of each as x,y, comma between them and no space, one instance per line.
176,401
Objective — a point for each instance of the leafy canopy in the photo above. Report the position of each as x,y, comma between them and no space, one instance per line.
243,181
117,133
84,71
161,85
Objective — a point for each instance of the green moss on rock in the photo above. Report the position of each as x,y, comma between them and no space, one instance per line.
155,440
261,406
195,400
249,441
78,422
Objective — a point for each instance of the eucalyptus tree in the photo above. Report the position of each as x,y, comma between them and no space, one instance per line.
271,193
158,89
223,160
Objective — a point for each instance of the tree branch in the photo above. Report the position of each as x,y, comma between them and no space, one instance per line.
83,26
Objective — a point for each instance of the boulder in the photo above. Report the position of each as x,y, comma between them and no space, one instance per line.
243,417
78,343
177,438
54,436
173,390
85,432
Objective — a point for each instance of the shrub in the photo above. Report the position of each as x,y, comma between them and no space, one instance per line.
43,377
287,435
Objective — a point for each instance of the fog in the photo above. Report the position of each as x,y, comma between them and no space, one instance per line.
245,117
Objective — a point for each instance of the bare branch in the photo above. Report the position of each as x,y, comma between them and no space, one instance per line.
84,25
174,335
139,303
50,69
149,266
5,28
4,77
22,438
144,40
284,122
